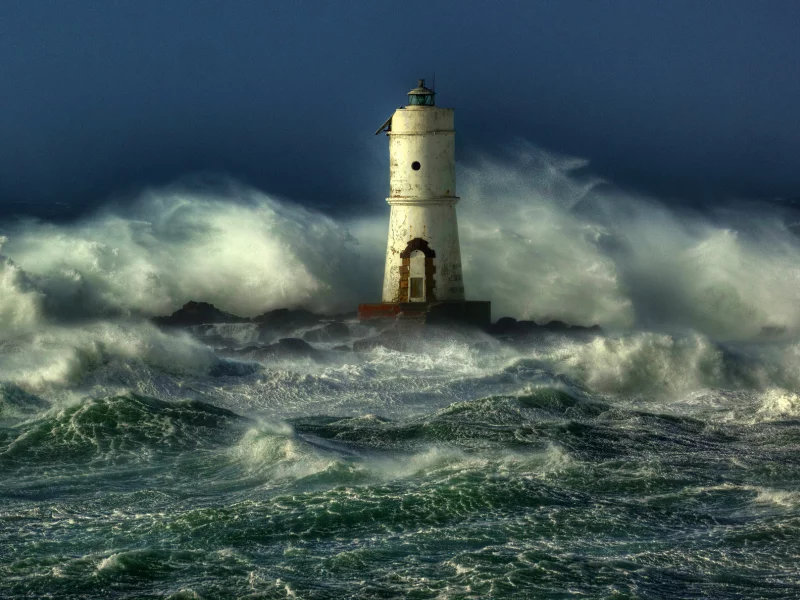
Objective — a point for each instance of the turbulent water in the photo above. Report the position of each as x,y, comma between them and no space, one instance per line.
642,462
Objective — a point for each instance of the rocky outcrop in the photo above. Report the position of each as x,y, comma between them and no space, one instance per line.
202,313
197,313
392,334
508,326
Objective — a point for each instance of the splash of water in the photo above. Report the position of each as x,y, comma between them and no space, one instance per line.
540,239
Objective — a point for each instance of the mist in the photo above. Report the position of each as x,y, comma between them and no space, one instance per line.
544,239
541,237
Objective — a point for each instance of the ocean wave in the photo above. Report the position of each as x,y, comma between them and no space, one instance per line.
639,363
539,238
545,240
782,498
101,358
667,366
61,356
239,249
779,403
275,452
21,303
116,429
16,403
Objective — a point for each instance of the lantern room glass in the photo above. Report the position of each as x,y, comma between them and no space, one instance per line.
420,100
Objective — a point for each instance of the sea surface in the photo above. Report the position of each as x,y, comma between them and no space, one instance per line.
656,458
140,463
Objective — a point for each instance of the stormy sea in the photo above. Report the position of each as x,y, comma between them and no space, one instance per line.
635,433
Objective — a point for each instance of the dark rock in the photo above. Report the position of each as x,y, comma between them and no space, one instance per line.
289,348
343,316
503,325
470,313
507,326
526,326
342,348
285,319
332,332
197,313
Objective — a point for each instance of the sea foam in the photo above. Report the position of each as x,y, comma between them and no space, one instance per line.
540,238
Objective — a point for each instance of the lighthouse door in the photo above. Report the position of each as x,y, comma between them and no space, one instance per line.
416,277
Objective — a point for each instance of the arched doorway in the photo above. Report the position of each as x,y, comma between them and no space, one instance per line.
417,270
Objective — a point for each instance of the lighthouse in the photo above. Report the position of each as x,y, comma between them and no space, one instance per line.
422,275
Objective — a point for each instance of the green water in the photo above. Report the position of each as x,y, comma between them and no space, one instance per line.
454,473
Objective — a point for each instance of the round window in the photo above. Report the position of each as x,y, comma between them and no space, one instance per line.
415,165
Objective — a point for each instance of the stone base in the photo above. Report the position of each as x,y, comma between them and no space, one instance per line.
470,312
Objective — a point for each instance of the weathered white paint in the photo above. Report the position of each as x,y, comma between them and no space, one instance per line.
423,201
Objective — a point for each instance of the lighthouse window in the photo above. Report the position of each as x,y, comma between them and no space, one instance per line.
415,165
421,100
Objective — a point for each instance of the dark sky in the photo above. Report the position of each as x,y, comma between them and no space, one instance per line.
692,101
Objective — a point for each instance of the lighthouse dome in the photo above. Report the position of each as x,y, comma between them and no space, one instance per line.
421,96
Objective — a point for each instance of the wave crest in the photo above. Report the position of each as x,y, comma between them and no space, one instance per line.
240,250
541,239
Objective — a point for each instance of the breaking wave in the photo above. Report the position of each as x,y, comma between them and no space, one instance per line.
544,240
240,250
60,356
150,462
656,457
541,239
116,429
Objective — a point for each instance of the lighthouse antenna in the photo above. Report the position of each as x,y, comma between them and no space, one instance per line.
433,87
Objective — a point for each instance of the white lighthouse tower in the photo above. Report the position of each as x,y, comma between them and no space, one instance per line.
423,257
